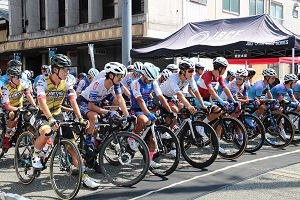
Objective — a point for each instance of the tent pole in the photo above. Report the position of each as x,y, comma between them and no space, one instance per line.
293,60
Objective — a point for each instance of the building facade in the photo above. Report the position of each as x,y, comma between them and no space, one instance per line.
69,25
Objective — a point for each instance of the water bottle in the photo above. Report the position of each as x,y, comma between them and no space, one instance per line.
49,143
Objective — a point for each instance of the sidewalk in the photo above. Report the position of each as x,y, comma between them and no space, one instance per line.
283,183
10,196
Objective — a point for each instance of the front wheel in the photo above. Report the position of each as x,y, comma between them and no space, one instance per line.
64,158
22,158
121,165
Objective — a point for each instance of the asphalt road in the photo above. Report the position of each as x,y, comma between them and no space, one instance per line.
185,183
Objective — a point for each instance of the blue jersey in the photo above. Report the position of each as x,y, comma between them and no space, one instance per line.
281,90
220,88
84,83
37,79
257,89
296,89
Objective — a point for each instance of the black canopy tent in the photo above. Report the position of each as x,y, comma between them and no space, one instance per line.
251,37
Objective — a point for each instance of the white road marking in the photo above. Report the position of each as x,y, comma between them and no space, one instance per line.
213,172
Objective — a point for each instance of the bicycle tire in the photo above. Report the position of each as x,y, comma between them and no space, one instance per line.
295,119
163,155
273,136
201,151
22,158
64,184
2,134
229,139
255,132
125,173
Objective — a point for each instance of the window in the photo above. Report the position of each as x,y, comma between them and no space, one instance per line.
108,9
276,12
42,15
200,1
62,14
231,6
137,7
24,17
83,11
256,7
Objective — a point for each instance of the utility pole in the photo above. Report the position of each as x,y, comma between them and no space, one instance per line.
126,31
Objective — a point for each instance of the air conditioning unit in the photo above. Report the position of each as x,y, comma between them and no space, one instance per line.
99,51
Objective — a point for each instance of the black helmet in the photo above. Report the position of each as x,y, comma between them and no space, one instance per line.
14,71
14,62
60,60
82,75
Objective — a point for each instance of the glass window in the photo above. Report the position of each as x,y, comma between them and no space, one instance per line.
256,7
137,7
108,9
83,11
62,13
276,12
42,15
231,6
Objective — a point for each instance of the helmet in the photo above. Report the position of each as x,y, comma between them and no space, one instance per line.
44,67
166,73
14,71
138,66
14,62
73,72
230,73
60,60
49,70
27,73
158,69
290,77
150,71
130,67
93,72
172,67
199,65
241,72
251,72
32,73
220,62
82,75
269,72
186,64
115,68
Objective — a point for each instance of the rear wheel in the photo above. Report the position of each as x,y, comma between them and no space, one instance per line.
295,119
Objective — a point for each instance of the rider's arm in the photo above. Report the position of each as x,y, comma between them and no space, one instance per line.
160,97
5,100
193,90
120,99
135,88
30,99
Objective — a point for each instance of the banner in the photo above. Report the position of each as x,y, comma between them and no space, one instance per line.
91,52
51,53
17,56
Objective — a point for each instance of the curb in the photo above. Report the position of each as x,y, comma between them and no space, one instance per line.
10,196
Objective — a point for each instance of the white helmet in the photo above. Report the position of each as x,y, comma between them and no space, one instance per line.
115,68
27,73
130,67
150,71
172,67
138,66
290,77
241,72
220,62
158,69
93,72
269,72
166,73
186,64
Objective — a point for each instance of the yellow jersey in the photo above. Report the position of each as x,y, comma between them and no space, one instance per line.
14,96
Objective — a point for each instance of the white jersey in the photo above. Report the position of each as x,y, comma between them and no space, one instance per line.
100,75
235,90
127,80
174,85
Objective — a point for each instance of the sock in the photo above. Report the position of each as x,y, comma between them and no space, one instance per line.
36,152
88,139
206,120
8,130
151,156
84,176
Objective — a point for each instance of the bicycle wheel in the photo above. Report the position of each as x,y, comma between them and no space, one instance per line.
279,130
65,156
132,166
255,131
168,154
230,129
200,150
22,158
2,133
294,117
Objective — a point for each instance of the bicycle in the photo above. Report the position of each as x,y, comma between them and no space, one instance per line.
119,164
64,183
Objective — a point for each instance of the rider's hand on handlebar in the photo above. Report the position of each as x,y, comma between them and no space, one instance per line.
84,122
192,109
53,123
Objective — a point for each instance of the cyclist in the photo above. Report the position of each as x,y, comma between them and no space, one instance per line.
13,63
173,68
248,80
137,72
13,95
230,77
165,74
85,82
44,70
130,68
51,91
90,98
199,69
140,92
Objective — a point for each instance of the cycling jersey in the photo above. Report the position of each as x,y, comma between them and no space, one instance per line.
174,85
37,79
127,80
296,89
84,83
281,90
14,96
220,88
207,80
54,94
140,89
96,91
196,78
235,90
257,89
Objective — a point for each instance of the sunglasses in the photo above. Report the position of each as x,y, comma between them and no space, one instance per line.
239,79
190,70
119,76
